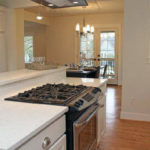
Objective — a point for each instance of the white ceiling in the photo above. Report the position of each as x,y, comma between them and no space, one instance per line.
95,6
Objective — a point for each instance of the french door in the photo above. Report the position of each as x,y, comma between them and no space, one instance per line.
108,52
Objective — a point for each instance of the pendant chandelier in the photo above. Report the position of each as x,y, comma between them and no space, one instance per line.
39,16
86,28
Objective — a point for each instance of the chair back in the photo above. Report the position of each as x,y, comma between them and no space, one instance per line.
105,71
97,72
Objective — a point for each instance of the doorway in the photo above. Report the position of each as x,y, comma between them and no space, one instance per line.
107,48
108,55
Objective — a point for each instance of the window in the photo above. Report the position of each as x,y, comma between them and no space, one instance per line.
107,53
86,49
108,44
28,48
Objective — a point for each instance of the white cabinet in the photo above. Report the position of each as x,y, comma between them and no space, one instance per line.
60,144
102,114
49,137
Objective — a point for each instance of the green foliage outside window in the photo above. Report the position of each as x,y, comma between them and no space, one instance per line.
28,48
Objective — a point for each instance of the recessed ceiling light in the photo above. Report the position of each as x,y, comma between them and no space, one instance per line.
75,2
50,5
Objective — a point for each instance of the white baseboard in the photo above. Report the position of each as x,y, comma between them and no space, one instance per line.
135,116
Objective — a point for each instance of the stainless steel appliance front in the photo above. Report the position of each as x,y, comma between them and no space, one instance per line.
85,130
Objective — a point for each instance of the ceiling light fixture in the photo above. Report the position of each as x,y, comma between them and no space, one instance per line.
75,2
39,16
86,28
51,5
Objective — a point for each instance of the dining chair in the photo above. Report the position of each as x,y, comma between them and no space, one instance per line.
105,71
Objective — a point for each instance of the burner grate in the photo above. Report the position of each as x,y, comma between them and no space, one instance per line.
50,94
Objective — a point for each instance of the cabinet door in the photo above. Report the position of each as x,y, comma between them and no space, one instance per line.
53,132
60,144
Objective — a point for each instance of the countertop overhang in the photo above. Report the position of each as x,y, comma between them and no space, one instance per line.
24,74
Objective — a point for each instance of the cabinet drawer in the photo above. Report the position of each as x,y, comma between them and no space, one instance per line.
52,132
60,144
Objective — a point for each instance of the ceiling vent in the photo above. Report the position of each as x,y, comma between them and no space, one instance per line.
62,3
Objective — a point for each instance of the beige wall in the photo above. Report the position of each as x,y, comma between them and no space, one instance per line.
136,69
15,37
62,46
39,38
3,53
41,33
31,17
14,42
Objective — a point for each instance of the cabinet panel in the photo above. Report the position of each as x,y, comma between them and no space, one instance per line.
101,118
103,88
52,132
60,144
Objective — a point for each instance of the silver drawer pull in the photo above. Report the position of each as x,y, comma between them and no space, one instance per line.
46,143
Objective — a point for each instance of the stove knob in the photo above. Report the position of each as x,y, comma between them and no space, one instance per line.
81,102
77,104
96,90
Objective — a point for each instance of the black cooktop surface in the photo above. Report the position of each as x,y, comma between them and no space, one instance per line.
50,94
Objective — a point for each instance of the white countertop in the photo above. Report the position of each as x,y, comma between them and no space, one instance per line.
23,74
85,81
20,121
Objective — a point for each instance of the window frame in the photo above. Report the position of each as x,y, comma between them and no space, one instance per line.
88,60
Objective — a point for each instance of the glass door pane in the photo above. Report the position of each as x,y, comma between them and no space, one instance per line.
107,53
88,135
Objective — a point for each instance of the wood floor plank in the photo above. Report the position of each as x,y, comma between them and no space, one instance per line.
122,134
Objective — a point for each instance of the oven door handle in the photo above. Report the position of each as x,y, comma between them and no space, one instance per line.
88,119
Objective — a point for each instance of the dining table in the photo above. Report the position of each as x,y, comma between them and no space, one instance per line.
83,73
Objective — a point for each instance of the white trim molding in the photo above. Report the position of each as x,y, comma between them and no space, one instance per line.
135,116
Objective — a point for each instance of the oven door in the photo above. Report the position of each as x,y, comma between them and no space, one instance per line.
85,130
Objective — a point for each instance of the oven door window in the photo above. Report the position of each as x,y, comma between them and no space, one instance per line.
88,135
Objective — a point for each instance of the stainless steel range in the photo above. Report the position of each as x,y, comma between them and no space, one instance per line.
81,119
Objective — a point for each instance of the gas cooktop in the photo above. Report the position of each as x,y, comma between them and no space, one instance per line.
78,96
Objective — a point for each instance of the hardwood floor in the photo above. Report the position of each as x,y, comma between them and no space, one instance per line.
122,134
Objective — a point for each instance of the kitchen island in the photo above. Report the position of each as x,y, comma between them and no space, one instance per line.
22,124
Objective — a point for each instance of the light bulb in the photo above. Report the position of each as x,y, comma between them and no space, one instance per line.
77,27
88,28
92,29
84,29
75,2
50,4
39,17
